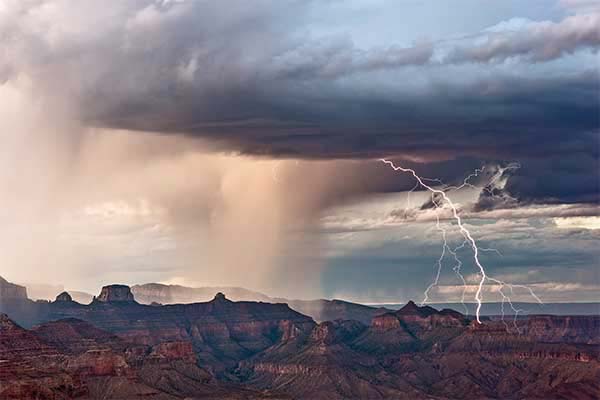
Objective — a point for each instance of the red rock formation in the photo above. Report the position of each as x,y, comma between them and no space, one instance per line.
414,353
174,351
99,365
73,336
116,294
570,329
29,367
222,332
419,352
16,342
386,322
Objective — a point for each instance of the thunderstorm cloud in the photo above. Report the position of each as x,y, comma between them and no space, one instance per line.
102,101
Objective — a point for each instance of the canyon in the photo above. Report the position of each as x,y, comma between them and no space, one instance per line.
117,348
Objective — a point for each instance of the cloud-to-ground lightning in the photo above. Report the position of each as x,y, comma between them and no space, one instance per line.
441,195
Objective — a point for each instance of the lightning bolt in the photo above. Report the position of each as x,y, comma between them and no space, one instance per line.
440,195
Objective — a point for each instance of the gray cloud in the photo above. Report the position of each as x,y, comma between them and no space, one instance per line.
333,58
537,41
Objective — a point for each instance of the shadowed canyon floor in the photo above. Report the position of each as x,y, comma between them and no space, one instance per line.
116,348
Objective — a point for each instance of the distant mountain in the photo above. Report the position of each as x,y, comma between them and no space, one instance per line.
319,310
176,294
32,291
81,297
330,310
10,291
495,309
41,291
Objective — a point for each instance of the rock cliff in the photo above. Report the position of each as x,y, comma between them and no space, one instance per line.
222,348
116,294
422,353
221,331
10,291
71,359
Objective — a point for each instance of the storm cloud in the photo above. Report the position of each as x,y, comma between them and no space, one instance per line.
253,78
137,93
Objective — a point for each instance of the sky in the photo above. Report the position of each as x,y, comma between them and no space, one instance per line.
240,143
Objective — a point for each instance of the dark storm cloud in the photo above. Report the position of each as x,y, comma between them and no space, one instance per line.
570,178
503,118
253,79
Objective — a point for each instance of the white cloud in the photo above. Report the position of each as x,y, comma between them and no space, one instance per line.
577,222
547,292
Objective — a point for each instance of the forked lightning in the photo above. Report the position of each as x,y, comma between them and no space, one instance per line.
442,196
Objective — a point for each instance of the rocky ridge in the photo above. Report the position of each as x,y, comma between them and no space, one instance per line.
222,332
253,348
421,353
70,359
115,294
